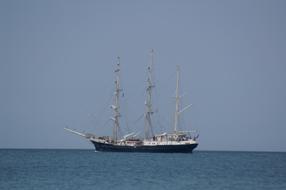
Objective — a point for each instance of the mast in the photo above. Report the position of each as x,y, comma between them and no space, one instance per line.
177,100
178,109
148,102
115,106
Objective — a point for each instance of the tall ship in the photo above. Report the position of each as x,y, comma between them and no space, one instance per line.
177,141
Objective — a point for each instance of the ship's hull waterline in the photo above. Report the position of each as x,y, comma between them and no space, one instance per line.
104,147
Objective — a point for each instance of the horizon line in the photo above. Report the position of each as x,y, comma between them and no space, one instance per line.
205,150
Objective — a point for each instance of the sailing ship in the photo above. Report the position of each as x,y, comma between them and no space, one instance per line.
175,142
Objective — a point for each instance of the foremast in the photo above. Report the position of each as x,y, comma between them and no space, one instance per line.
148,102
116,105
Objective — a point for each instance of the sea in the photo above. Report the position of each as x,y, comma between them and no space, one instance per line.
24,169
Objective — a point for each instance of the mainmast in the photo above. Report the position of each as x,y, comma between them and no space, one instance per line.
115,105
148,103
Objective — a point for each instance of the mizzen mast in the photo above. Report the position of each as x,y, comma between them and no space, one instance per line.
177,97
116,106
178,109
148,102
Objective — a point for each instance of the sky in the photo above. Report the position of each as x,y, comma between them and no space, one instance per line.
57,59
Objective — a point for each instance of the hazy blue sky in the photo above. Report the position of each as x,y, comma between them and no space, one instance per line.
57,60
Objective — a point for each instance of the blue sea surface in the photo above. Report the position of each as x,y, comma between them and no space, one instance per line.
87,169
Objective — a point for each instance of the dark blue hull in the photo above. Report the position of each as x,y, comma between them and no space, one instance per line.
156,148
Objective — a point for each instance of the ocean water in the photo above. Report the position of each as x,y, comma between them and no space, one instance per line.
90,170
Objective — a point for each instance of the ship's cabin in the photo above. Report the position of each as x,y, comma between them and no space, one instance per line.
176,136
131,141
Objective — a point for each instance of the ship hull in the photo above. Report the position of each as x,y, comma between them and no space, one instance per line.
104,147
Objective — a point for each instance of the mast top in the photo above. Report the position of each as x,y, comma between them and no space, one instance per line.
118,65
118,60
178,68
152,56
